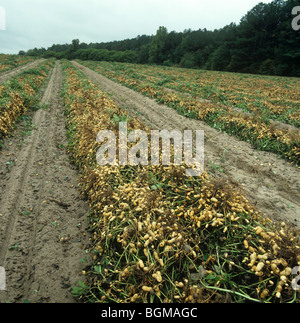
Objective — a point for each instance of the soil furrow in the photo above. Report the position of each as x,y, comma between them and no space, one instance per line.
270,183
41,242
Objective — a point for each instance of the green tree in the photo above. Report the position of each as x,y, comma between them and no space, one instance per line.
263,42
157,50
75,46
188,60
220,58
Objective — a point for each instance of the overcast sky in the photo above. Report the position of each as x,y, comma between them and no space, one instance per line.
41,23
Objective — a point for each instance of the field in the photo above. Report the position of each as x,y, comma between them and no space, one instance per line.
261,110
8,62
74,231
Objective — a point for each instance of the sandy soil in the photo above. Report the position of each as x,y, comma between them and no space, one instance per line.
42,217
16,71
270,183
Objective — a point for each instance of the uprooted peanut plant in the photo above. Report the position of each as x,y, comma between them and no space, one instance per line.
159,236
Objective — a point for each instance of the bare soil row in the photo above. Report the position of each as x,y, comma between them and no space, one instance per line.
42,217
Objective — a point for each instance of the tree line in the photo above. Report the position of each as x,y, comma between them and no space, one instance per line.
264,42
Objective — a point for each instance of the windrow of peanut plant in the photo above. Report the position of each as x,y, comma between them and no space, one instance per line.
8,62
159,236
20,94
268,97
254,128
